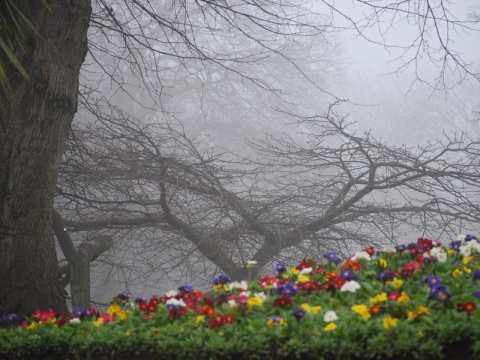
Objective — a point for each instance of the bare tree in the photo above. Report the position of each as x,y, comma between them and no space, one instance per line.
336,190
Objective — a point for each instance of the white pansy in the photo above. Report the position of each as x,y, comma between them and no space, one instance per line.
435,251
330,316
129,304
461,237
350,286
361,255
238,285
251,262
441,257
245,293
305,271
175,302
475,246
389,250
171,293
465,250
75,321
232,303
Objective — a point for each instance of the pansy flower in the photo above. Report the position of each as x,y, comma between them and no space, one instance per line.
330,327
185,289
140,300
9,318
362,310
403,298
280,268
290,289
441,293
299,313
311,309
476,276
385,276
332,257
276,320
455,245
124,296
432,281
348,275
330,316
401,248
79,312
350,286
389,322
361,255
222,280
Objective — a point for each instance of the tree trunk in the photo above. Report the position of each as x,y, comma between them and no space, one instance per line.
77,272
32,140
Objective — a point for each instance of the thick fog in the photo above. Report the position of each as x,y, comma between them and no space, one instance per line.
244,152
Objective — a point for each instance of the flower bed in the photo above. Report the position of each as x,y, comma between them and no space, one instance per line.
418,301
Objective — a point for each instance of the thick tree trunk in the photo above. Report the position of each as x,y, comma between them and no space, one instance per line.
32,140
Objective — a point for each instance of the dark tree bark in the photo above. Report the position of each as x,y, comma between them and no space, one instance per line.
32,140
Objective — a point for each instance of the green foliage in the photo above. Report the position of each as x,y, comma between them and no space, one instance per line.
402,317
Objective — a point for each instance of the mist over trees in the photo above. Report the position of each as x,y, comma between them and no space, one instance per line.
134,170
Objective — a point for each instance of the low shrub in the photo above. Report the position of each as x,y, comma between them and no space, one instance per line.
417,301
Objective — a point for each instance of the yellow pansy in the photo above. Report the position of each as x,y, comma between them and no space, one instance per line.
277,321
412,315
383,262
396,282
451,252
390,322
314,309
457,272
303,278
117,310
293,271
362,310
220,287
254,301
98,322
200,319
467,259
330,326
403,298
378,299
467,270
32,326
422,310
